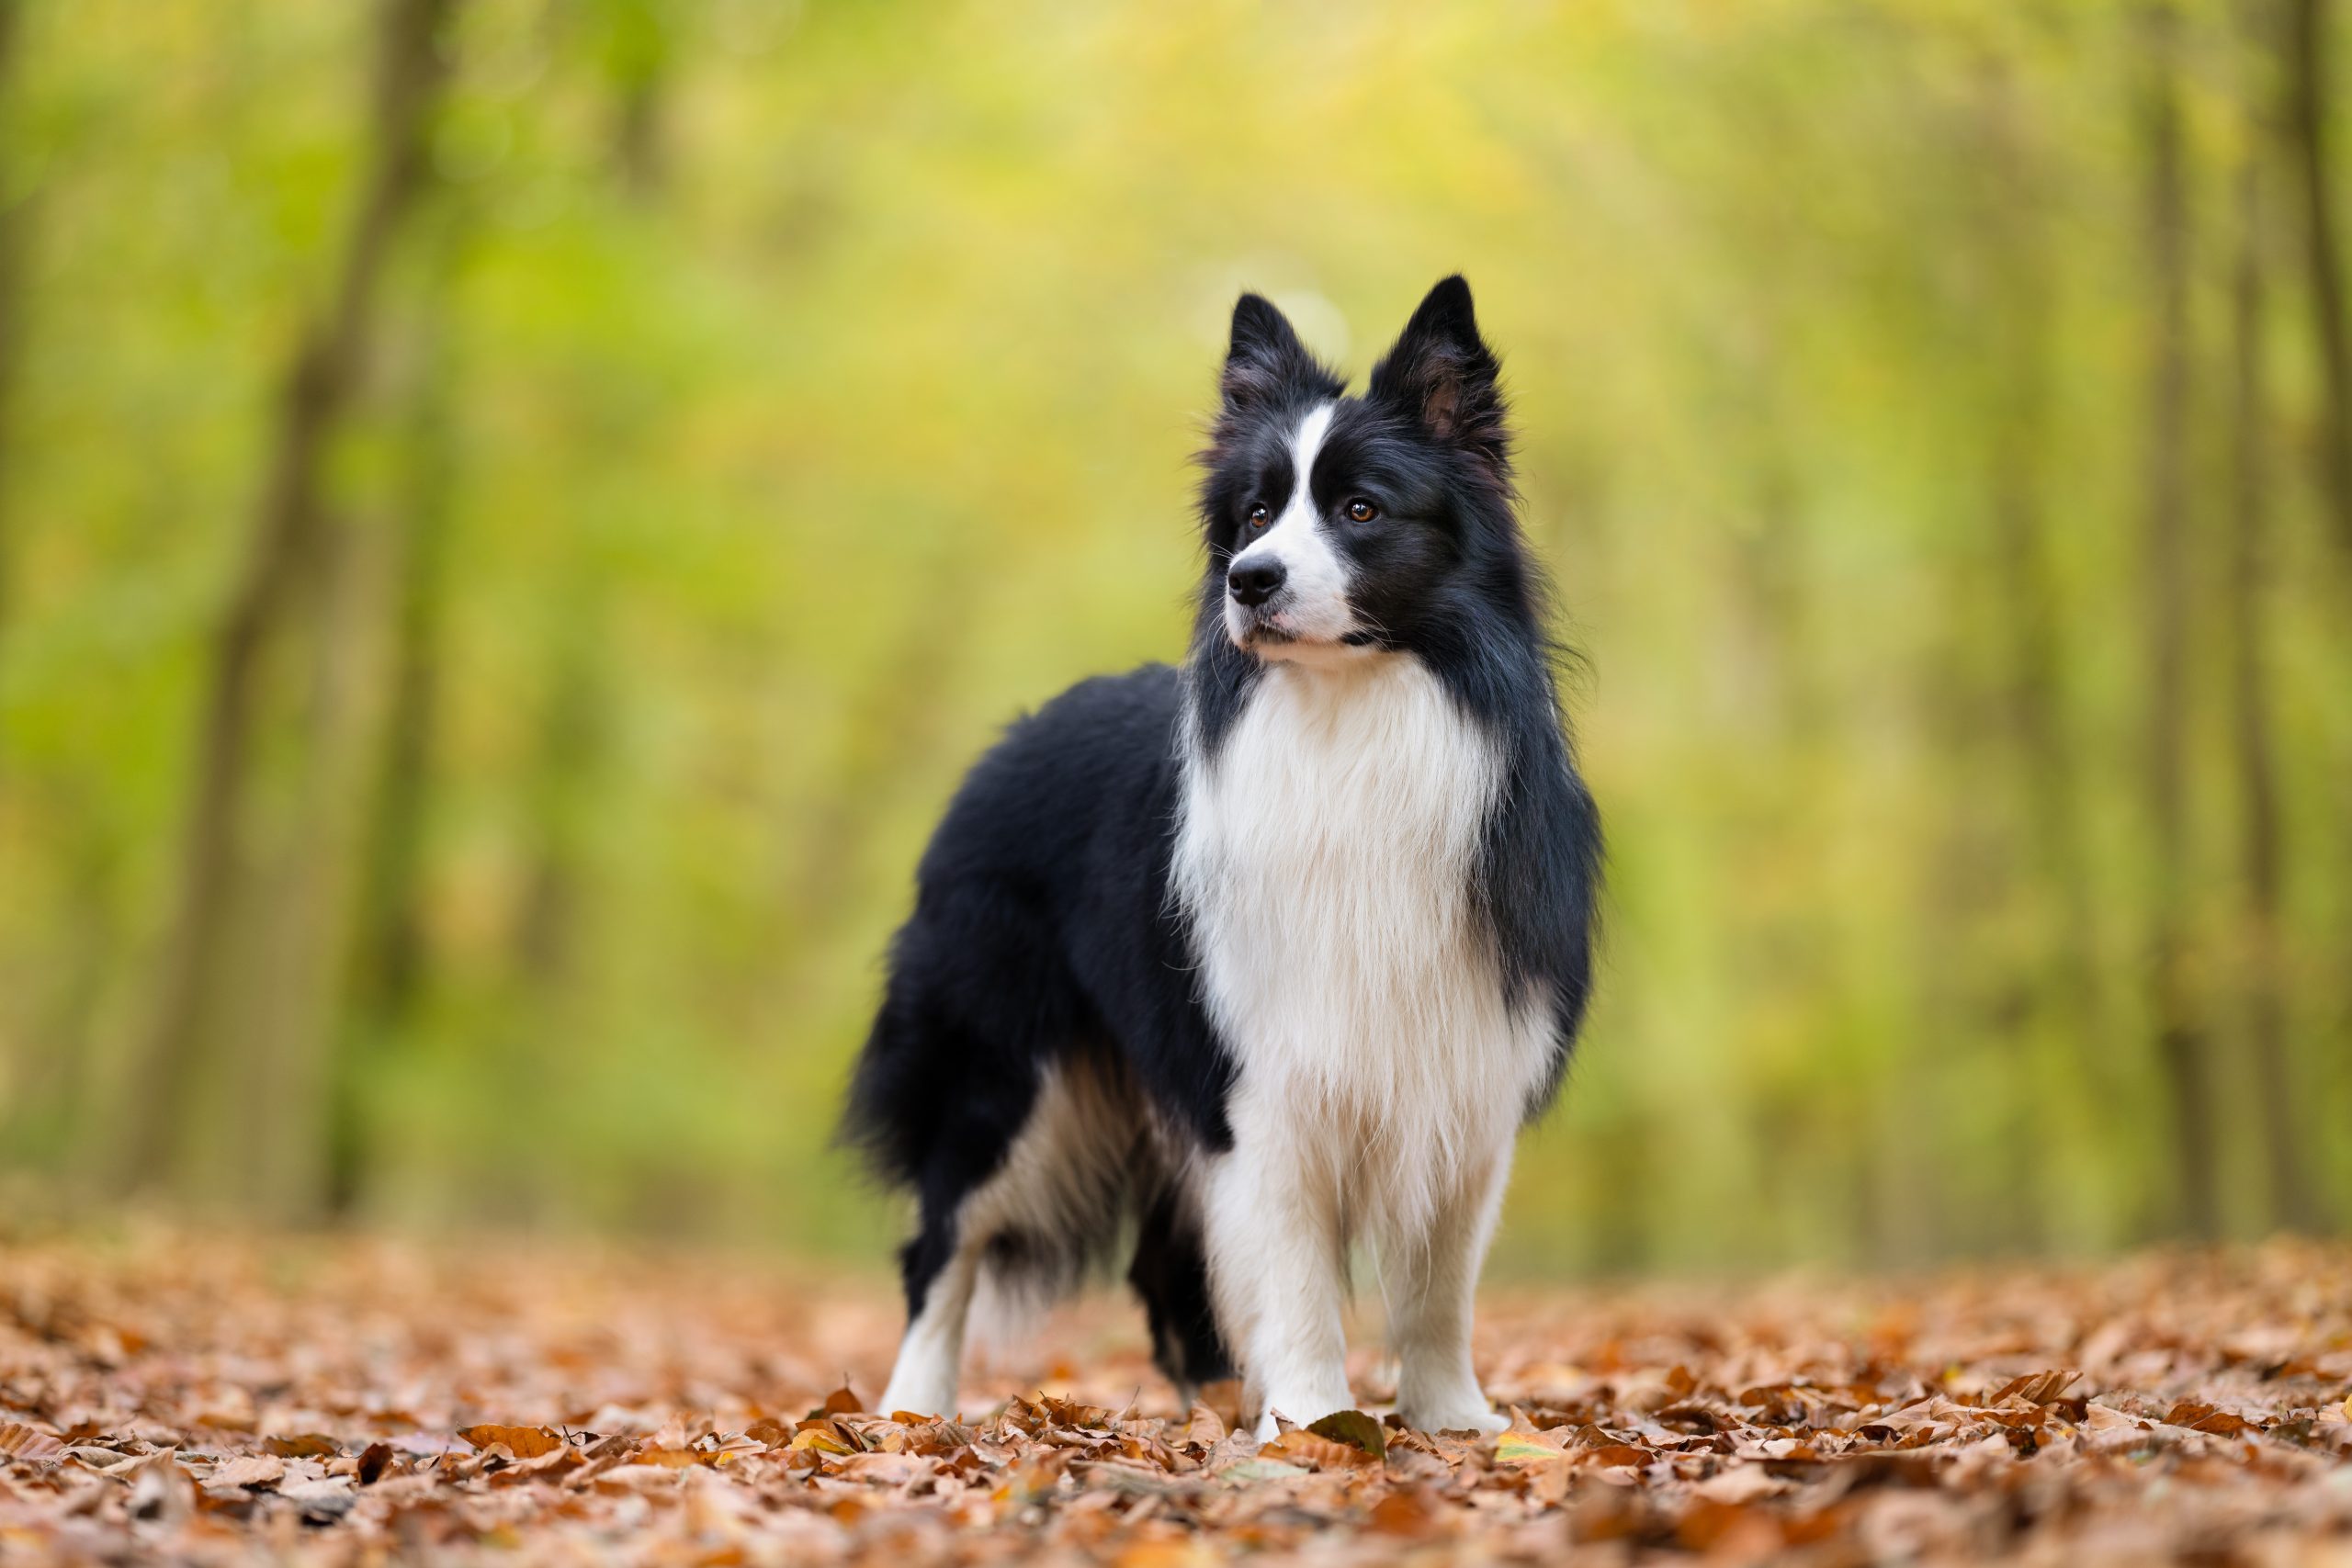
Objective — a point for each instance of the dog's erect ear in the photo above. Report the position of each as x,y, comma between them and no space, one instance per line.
1266,362
1442,374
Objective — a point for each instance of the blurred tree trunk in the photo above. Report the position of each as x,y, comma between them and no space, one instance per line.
2065,993
387,949
2253,749
279,571
12,309
283,1054
571,733
638,57
571,754
2307,129
2172,1009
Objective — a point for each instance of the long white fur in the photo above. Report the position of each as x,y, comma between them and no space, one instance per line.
1324,859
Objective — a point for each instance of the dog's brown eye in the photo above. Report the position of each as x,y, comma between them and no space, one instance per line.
1362,511
1259,516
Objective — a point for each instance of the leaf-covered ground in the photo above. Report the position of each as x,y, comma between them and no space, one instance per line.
170,1397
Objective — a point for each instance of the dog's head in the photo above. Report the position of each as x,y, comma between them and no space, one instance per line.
1338,524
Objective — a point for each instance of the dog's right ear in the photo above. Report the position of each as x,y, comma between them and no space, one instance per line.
1265,363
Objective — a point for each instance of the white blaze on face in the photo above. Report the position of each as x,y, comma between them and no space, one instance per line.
1313,602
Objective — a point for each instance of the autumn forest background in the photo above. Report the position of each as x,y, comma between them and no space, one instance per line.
513,516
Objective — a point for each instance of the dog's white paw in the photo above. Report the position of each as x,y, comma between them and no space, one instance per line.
1479,1417
918,1397
1297,1412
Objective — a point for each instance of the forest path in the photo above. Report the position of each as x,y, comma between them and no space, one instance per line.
165,1395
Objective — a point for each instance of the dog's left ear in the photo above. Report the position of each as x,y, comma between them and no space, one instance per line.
1442,374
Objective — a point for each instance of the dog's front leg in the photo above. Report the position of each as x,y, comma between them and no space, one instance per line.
1429,1277
1278,1265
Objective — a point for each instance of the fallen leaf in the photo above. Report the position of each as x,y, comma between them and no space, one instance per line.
1255,1470
1206,1429
2034,1388
321,1501
22,1442
1740,1483
1354,1429
163,1491
1408,1511
251,1470
1614,1455
303,1445
1525,1448
668,1459
2199,1418
523,1442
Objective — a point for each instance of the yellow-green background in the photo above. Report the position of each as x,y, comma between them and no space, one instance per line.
783,397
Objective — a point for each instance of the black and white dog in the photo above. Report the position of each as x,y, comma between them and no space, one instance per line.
1272,954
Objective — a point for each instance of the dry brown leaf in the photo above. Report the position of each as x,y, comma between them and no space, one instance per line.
1354,1429
2199,1418
523,1442
1527,1448
1300,1446
820,1437
1205,1428
1614,1455
373,1461
162,1491
2034,1388
668,1459
252,1469
1740,1483
303,1445
19,1441
1408,1511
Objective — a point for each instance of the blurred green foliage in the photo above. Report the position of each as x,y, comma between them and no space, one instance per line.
766,401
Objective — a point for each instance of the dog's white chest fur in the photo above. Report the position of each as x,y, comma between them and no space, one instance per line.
1325,860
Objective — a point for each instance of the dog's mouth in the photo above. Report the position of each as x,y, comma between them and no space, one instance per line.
1261,628
1261,631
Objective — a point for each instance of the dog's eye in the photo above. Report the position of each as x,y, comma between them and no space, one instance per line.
1362,511
1259,516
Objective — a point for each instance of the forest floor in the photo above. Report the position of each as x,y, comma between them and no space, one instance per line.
170,1398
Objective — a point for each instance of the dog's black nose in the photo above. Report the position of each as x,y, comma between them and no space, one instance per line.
1255,581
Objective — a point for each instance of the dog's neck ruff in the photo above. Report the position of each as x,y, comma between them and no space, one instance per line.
1324,859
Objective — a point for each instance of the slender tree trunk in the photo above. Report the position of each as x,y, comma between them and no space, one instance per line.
319,383
2307,129
2172,1008
284,1049
388,960
2063,972
571,750
2254,751
12,311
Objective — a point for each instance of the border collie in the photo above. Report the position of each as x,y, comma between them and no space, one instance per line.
1256,959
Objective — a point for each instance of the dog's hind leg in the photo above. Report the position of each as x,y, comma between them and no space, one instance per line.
1023,1234
940,1275
1170,1274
